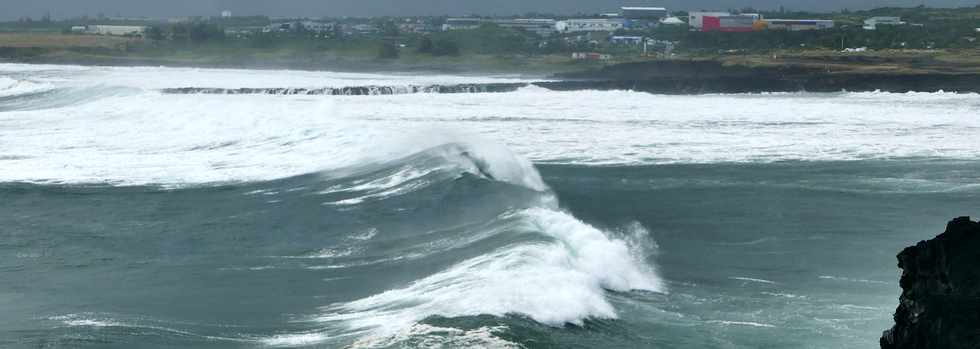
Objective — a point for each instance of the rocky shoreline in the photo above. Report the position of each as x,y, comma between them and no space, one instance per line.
698,77
940,302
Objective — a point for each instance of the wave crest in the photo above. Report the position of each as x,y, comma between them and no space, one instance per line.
560,278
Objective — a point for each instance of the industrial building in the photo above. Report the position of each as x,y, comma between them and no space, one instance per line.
724,22
737,23
747,22
542,27
696,19
651,13
626,40
591,25
798,24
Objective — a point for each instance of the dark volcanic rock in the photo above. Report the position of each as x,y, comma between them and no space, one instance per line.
693,77
940,302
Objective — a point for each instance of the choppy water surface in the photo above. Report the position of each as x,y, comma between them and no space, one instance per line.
136,217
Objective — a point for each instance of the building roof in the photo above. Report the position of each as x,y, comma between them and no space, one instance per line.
796,21
635,8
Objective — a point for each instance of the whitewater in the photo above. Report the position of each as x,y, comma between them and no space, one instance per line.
165,207
123,129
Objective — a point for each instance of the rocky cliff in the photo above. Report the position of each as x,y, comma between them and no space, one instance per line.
940,302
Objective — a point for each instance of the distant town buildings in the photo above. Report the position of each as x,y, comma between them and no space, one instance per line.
629,17
540,26
627,27
308,26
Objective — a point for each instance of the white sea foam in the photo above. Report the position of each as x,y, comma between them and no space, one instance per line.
742,323
146,137
761,281
11,87
428,336
294,340
555,282
847,279
405,174
364,235
783,295
94,320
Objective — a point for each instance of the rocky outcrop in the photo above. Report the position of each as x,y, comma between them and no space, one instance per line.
353,90
940,302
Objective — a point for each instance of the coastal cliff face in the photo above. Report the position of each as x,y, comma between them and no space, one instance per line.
940,302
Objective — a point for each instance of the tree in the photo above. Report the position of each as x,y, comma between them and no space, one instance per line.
425,45
154,33
201,32
445,47
179,33
388,50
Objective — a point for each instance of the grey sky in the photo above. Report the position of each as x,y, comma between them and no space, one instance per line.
10,9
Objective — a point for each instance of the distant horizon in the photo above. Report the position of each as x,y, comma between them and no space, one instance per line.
65,9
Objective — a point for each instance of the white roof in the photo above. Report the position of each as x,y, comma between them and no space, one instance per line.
672,20
644,8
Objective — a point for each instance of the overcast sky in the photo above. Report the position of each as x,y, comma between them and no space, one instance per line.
10,9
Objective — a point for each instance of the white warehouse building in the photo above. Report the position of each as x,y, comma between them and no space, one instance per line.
116,30
590,25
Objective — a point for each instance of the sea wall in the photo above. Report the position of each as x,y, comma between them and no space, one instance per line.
940,302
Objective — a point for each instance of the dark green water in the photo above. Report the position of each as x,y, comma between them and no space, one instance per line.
794,254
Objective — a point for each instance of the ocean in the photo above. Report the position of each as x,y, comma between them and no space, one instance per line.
138,211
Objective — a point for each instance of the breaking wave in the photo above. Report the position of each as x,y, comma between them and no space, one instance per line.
534,259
